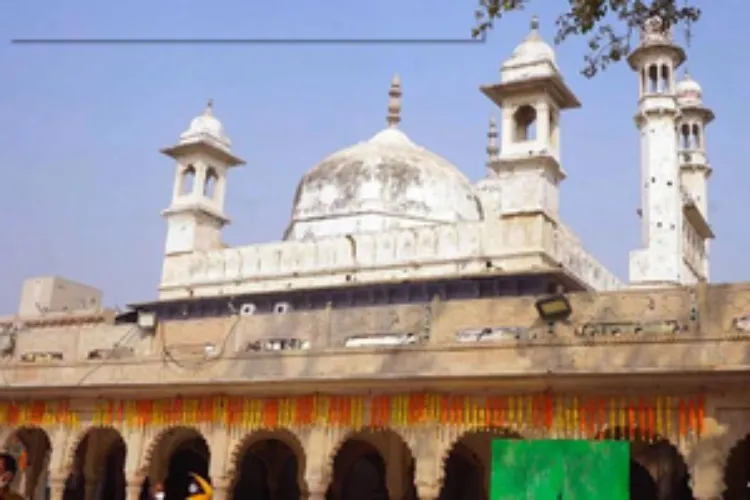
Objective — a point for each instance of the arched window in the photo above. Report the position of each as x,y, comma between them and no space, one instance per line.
653,79
697,139
188,180
209,188
665,79
524,120
685,136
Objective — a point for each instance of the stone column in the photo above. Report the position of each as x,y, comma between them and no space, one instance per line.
56,487
316,494
706,462
222,489
133,489
428,491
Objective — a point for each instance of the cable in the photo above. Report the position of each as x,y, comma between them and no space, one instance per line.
169,359
109,356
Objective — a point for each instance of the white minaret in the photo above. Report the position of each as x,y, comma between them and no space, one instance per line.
531,94
694,173
489,188
196,216
660,261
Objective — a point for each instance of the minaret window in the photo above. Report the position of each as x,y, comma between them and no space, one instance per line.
653,79
209,187
664,81
697,139
188,180
524,120
690,136
685,136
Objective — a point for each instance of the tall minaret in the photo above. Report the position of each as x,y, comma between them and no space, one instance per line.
531,95
196,216
694,173
660,261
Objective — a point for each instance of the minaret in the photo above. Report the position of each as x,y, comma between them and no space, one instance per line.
490,188
196,216
694,173
660,260
531,95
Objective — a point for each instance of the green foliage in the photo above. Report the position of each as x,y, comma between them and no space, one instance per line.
610,25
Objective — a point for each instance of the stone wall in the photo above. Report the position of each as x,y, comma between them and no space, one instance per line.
431,252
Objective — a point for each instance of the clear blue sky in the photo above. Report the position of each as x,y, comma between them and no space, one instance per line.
83,182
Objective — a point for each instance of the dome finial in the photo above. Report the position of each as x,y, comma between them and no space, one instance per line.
394,103
534,22
492,149
209,111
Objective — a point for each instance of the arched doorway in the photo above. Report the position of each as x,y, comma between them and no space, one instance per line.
737,471
657,470
467,473
98,465
360,471
112,482
180,451
269,467
31,447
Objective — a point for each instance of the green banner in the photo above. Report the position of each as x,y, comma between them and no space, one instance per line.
560,470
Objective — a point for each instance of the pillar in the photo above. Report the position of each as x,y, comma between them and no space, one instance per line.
428,491
56,487
317,494
706,462
133,488
222,487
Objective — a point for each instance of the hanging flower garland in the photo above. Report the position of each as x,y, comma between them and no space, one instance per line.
564,416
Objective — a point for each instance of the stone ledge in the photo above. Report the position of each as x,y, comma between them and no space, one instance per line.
490,362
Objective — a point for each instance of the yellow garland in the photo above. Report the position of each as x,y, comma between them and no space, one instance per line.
668,417
658,416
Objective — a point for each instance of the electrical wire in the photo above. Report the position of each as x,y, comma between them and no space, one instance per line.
169,359
118,343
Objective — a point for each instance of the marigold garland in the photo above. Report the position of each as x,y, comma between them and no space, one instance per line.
556,415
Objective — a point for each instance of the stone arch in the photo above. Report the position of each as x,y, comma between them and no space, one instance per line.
32,448
170,441
465,462
524,123
108,436
658,471
277,452
95,462
387,452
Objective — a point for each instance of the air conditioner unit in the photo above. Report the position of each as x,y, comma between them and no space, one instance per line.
248,309
146,320
282,308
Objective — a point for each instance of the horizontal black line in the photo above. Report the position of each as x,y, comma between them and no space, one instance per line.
247,41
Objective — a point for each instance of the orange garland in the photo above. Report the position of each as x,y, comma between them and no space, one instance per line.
574,416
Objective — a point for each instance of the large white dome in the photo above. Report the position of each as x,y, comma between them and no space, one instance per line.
385,183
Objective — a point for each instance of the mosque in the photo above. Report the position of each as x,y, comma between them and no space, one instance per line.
408,318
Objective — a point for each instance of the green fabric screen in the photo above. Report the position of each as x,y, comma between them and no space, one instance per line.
560,470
